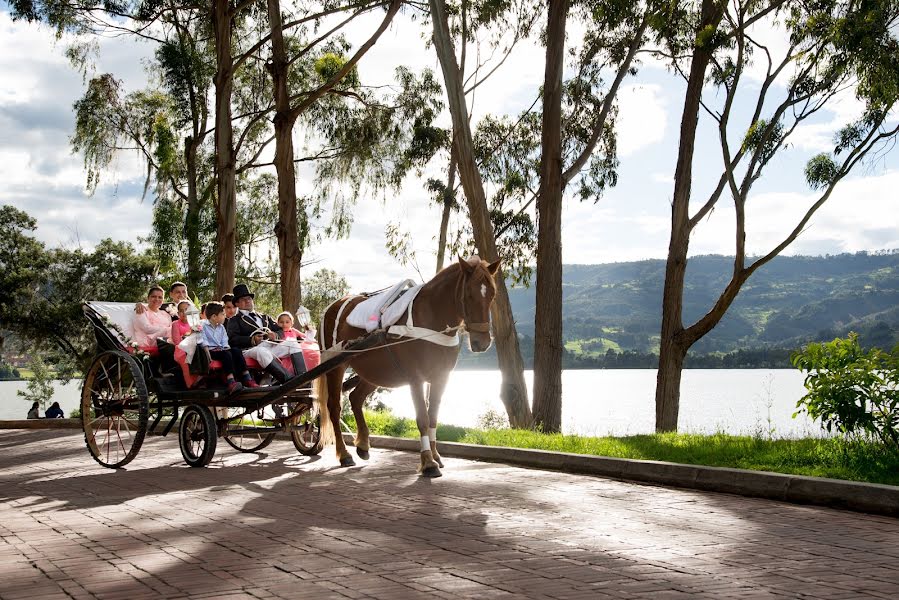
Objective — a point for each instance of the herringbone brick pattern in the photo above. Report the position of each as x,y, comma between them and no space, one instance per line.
279,525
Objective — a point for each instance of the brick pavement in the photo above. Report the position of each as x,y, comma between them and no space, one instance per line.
280,525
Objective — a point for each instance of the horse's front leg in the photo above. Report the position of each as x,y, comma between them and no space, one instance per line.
435,395
335,383
357,401
429,467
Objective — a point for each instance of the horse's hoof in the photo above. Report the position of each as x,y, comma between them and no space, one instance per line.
347,461
439,462
431,472
363,454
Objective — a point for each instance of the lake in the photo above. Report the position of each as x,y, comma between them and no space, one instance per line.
595,402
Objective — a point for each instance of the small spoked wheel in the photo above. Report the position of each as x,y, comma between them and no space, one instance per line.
114,409
249,433
306,433
197,435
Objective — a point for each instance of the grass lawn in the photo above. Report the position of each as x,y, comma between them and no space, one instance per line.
818,457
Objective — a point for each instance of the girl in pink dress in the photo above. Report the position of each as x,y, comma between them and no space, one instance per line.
152,323
181,328
285,322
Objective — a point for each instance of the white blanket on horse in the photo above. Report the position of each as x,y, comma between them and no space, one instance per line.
383,309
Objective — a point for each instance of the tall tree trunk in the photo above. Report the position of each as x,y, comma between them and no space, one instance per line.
192,219
225,167
513,392
449,196
673,345
548,319
286,230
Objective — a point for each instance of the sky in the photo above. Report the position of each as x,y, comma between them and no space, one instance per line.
39,173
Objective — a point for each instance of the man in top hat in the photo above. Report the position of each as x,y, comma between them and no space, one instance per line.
260,337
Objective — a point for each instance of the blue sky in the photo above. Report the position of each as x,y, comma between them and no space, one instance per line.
39,174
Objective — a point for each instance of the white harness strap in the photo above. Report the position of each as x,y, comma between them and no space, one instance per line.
324,331
409,330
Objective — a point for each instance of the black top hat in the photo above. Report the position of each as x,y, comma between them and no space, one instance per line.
241,290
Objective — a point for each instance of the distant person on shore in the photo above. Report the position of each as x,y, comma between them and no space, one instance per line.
55,412
35,412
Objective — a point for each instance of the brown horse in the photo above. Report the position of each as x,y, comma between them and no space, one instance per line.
457,298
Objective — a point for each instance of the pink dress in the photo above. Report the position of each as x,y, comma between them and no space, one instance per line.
179,331
150,325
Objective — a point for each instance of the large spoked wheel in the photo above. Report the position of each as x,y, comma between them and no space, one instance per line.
114,409
306,432
197,435
248,433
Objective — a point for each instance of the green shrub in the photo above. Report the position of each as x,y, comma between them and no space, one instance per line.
852,391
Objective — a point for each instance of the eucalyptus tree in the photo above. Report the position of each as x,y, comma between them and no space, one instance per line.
833,48
289,106
582,133
167,125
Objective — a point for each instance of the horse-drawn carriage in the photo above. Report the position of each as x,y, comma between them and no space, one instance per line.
124,387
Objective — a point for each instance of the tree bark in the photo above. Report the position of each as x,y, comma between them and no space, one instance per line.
513,392
448,197
548,319
287,232
225,167
192,218
672,346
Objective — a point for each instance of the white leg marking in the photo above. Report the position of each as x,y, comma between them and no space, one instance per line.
425,443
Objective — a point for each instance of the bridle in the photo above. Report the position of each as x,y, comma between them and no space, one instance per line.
478,327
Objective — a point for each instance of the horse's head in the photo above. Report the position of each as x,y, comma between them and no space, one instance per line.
477,291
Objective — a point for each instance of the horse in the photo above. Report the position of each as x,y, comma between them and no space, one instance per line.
457,298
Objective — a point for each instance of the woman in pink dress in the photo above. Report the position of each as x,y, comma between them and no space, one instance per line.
152,323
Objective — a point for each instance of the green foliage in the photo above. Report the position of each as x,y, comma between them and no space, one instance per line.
820,171
321,289
8,371
42,305
40,387
850,390
329,65
837,458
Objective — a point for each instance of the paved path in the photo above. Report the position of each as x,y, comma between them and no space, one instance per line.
279,525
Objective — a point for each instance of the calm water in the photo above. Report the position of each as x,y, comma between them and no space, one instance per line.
600,402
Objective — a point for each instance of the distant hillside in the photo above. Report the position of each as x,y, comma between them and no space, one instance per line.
792,300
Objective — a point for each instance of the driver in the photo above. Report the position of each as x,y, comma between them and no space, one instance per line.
260,337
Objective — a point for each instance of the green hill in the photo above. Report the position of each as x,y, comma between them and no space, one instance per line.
792,300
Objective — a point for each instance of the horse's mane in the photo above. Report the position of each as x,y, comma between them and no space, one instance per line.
452,272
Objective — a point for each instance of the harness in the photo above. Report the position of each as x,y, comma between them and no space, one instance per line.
412,331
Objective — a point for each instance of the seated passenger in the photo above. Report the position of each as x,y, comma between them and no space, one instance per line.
177,293
153,322
215,338
261,338
285,322
181,328
230,307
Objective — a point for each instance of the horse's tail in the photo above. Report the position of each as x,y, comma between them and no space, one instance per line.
326,428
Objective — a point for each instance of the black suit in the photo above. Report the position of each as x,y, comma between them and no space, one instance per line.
240,329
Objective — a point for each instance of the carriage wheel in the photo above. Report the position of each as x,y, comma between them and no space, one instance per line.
197,435
306,432
240,434
114,409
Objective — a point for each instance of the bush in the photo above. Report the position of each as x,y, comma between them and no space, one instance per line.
852,391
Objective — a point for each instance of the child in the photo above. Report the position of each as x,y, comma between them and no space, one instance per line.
181,327
215,338
285,322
